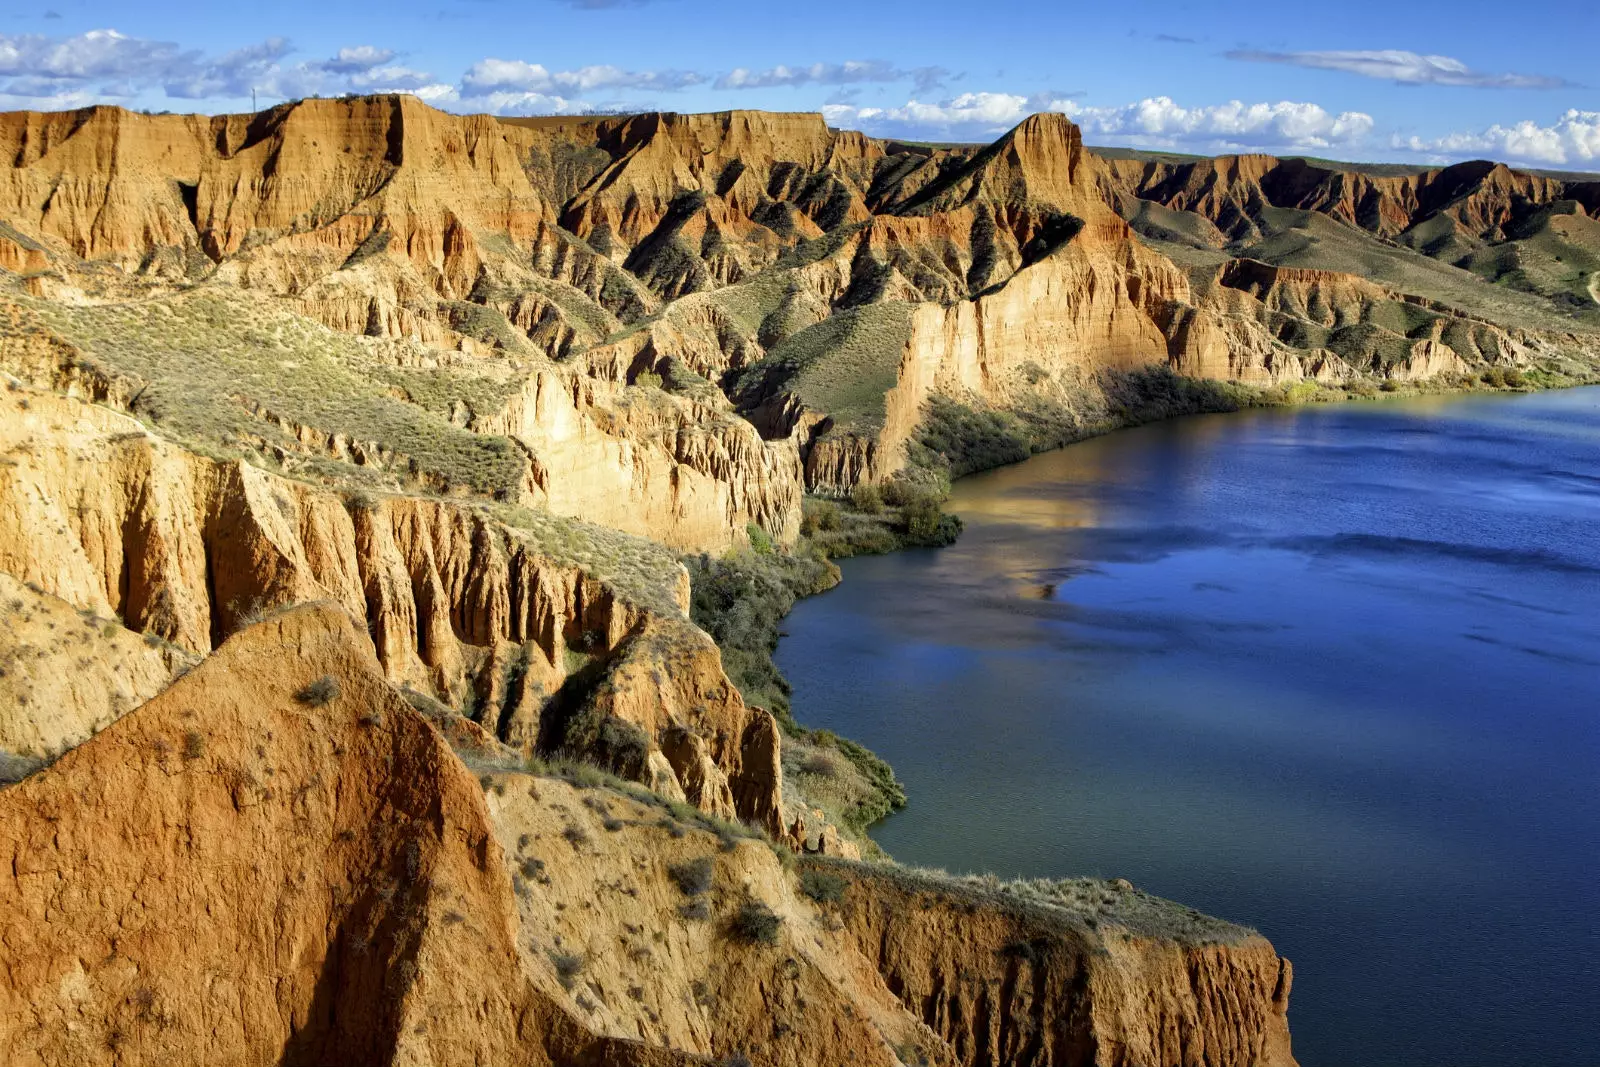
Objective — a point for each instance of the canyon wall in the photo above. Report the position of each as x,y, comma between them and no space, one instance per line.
279,861
115,522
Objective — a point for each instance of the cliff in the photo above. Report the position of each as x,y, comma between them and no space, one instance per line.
563,263
279,861
532,628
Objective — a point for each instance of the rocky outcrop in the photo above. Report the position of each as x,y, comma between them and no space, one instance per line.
694,247
66,674
276,861
683,471
1005,979
115,522
279,861
1479,198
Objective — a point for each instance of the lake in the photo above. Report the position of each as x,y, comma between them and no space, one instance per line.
1332,672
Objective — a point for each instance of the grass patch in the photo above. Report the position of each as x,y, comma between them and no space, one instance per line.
225,367
844,365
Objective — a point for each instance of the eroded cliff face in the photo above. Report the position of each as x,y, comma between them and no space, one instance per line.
237,874
694,248
115,522
67,673
280,861
1002,980
680,469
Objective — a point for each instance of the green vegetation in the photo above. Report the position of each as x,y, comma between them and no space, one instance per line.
228,370
739,600
844,365
823,886
567,967
693,877
643,571
316,694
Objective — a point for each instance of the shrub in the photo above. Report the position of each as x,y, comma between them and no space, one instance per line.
316,694
693,877
926,525
824,887
819,515
648,379
819,764
755,923
568,966
760,540
866,498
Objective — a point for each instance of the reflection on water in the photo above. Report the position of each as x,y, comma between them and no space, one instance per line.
1329,672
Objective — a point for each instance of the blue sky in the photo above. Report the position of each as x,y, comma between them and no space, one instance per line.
1425,81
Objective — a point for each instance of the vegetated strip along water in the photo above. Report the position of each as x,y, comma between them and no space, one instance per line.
1330,672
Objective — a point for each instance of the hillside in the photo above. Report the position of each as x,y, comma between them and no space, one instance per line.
396,510
502,283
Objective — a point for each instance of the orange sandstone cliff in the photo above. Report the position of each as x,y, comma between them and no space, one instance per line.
278,860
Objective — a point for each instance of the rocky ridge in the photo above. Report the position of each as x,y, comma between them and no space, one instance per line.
567,258
430,372
278,860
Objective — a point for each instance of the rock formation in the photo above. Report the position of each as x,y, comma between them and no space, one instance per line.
570,257
467,385
117,523
279,861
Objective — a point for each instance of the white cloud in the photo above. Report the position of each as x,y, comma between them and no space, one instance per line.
515,75
389,79
1406,68
969,112
59,72
1159,121
1574,138
96,54
239,71
356,60
1152,122
850,72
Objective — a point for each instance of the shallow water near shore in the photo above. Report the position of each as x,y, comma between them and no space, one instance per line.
1331,672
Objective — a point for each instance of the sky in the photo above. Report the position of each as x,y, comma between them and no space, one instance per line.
1424,82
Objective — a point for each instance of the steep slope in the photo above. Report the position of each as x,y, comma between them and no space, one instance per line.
278,861
532,261
559,638
65,673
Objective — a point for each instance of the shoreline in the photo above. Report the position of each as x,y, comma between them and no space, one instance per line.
1320,394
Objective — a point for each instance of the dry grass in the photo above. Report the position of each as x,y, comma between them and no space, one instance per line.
226,367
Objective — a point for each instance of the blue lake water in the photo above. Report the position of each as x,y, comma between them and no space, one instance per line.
1330,672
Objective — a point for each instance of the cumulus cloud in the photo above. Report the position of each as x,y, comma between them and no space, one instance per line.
96,54
515,75
356,60
62,72
850,72
1160,121
1573,139
1156,122
1402,67
239,71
